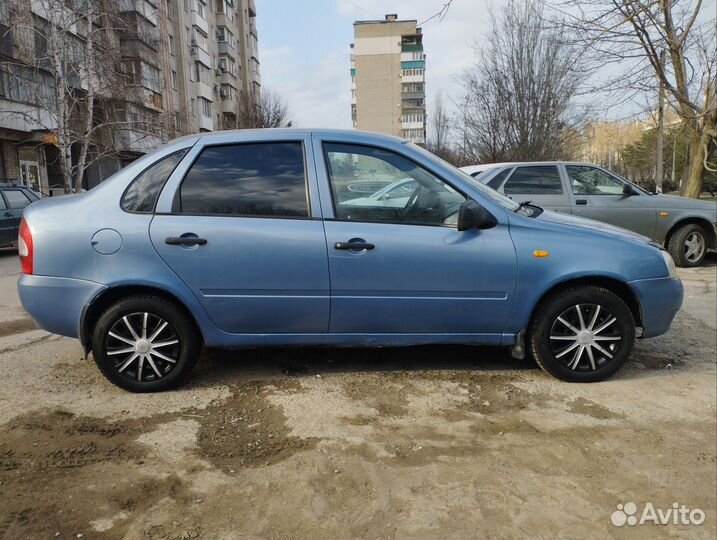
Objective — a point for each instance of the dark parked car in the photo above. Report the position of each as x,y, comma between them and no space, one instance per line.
13,200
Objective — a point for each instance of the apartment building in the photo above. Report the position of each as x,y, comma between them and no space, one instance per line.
173,67
388,74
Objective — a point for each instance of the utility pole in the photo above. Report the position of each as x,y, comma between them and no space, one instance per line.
660,129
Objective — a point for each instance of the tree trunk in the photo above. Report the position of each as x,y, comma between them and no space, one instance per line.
699,139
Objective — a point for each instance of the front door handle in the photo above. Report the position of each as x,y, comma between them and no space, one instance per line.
184,241
8,214
581,202
353,245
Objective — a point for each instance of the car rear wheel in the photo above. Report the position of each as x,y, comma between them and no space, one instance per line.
688,245
145,344
582,334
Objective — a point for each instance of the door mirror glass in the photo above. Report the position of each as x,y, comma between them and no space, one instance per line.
472,215
628,190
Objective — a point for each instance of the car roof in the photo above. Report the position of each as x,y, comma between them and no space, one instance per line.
15,186
486,166
296,132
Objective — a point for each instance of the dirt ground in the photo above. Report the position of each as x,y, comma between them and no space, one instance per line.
420,443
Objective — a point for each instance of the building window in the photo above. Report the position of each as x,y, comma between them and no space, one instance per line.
224,35
172,48
174,80
411,72
27,85
201,9
200,40
227,65
205,107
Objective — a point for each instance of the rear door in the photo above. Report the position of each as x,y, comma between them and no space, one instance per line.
6,223
241,231
598,194
539,184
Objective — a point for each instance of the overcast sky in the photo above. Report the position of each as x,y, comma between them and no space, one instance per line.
304,49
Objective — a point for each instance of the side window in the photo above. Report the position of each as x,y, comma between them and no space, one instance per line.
497,180
400,190
253,179
142,194
587,180
535,180
16,198
3,206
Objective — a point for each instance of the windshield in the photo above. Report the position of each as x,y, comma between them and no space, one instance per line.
502,200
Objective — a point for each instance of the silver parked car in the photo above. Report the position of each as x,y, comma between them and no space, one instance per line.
686,227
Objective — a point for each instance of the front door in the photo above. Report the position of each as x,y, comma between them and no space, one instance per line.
399,264
242,237
7,226
17,200
539,184
599,195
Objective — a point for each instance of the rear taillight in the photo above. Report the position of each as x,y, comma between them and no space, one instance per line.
24,248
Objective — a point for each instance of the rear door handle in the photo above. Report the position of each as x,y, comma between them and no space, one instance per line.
184,241
353,245
581,202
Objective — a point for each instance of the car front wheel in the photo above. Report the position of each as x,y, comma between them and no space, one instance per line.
145,344
582,334
688,245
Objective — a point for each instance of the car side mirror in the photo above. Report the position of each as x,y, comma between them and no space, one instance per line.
628,190
472,215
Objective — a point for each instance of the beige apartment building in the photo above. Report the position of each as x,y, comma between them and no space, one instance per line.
388,78
176,66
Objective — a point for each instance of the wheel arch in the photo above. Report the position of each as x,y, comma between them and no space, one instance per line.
620,288
92,311
702,222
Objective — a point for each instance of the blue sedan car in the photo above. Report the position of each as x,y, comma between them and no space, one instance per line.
248,238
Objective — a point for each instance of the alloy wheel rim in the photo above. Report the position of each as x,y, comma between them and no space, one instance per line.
585,337
694,246
143,346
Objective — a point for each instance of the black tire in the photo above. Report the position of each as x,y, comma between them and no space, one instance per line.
112,352
616,339
678,245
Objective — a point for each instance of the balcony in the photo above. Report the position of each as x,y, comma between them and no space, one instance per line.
200,23
144,8
226,48
205,91
201,55
413,125
228,106
413,95
24,117
205,123
413,78
133,140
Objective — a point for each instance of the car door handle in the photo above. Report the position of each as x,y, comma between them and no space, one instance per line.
184,241
8,214
353,245
581,202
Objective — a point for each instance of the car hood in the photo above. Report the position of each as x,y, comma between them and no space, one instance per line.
667,202
590,224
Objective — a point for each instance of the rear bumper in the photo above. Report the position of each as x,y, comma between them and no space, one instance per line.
56,304
660,299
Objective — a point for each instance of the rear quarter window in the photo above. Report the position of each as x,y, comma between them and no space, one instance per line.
142,194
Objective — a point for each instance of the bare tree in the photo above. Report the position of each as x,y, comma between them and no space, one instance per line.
65,64
628,37
266,110
439,128
519,97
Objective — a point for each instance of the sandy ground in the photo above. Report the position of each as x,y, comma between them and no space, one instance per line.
421,443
